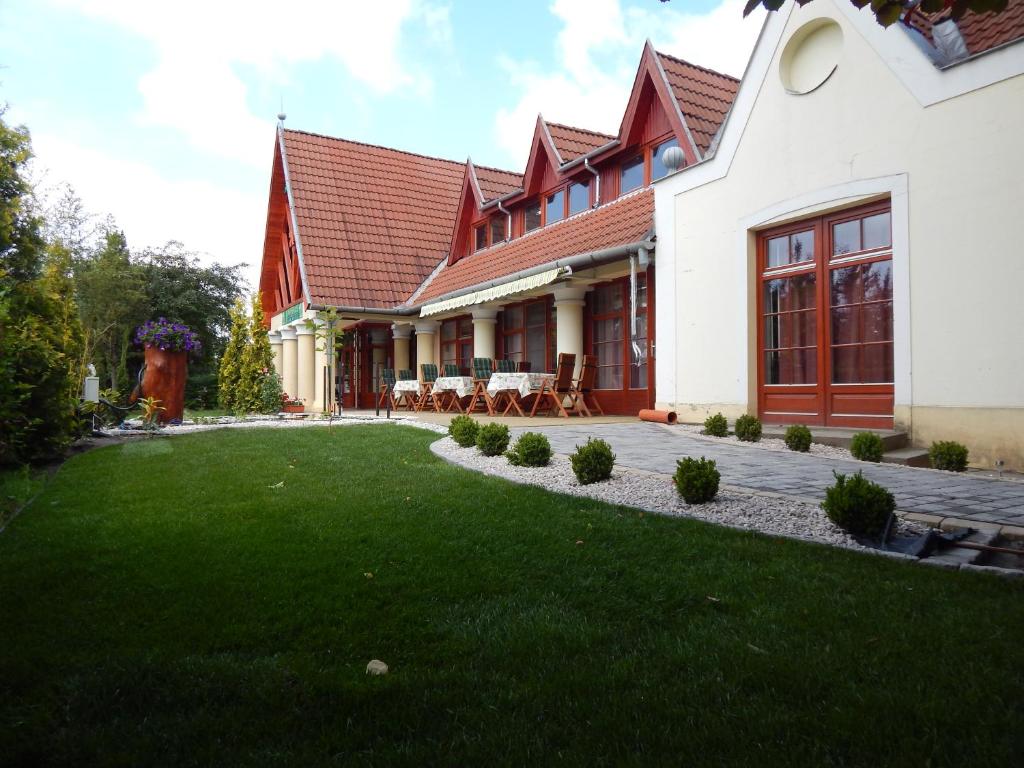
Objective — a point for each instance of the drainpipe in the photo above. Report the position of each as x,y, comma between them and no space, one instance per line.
597,181
508,213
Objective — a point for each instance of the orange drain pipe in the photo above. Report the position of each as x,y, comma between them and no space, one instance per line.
661,417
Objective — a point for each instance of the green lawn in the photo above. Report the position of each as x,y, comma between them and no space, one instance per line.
166,602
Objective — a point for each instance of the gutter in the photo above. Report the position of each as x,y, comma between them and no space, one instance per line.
580,261
291,210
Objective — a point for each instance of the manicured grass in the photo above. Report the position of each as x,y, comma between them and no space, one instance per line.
213,599
205,413
17,486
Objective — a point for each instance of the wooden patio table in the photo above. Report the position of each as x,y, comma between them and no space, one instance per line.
453,388
407,390
516,386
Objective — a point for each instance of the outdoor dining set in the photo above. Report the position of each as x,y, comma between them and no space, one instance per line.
497,388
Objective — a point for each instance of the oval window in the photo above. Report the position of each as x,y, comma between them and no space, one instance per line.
811,56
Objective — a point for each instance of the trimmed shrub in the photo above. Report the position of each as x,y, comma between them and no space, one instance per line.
748,428
798,438
949,455
867,446
269,400
492,439
696,480
858,505
592,462
716,426
464,430
532,449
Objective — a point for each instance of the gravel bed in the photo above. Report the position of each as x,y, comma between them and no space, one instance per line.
656,493
767,443
272,422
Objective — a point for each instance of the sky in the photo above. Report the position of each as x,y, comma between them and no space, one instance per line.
163,114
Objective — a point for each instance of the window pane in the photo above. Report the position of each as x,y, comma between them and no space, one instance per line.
480,237
632,175
536,347
607,298
514,346
466,328
846,238
497,229
535,313
846,324
791,366
877,321
465,354
658,168
845,362
789,294
555,207
448,330
864,282
876,363
878,231
778,251
579,197
531,215
512,317
802,246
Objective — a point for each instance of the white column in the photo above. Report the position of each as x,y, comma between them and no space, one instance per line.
569,322
426,330
484,322
289,362
306,360
319,363
401,332
276,344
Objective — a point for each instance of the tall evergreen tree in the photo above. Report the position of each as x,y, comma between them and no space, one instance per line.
257,360
38,321
231,361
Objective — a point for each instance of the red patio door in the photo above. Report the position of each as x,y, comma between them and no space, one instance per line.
825,329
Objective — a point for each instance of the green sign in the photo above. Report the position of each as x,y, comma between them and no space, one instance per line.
293,312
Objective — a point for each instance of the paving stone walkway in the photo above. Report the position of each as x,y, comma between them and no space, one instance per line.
656,448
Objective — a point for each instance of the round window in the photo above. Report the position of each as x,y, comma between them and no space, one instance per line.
811,56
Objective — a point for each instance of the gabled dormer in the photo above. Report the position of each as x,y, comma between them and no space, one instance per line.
476,228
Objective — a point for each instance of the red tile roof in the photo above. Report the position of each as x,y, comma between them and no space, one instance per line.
373,222
495,182
981,31
572,143
626,220
704,96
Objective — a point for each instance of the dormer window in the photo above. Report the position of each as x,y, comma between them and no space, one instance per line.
579,197
531,216
554,208
632,175
479,237
658,169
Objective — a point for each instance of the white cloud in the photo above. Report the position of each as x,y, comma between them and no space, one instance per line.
195,86
598,51
223,223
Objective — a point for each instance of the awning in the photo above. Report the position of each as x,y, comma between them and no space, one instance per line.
495,291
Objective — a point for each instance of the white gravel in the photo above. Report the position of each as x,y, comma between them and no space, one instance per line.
767,443
656,493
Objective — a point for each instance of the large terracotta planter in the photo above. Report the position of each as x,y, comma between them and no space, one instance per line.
164,380
300,408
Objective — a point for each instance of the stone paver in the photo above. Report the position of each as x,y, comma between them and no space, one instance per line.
656,448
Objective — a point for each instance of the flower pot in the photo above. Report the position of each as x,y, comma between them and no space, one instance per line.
300,408
164,380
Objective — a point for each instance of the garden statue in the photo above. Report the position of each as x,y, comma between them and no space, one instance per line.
167,346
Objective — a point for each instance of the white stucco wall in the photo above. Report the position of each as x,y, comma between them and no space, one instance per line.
953,164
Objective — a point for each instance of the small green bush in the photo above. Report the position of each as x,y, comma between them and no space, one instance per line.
858,505
949,455
492,439
696,480
463,430
798,438
716,426
532,449
867,446
748,428
592,462
269,400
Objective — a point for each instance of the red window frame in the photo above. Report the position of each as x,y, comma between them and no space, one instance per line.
521,331
824,400
458,348
645,152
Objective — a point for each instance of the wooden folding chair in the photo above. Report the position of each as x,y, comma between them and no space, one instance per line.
505,365
556,391
449,399
584,387
428,375
480,399
387,389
